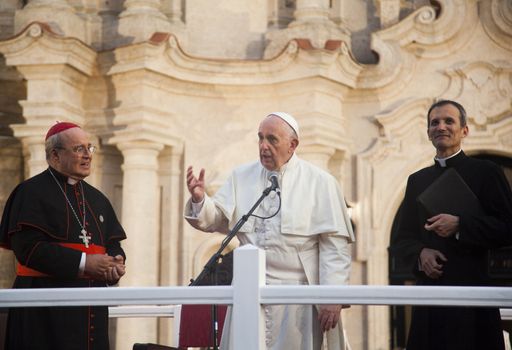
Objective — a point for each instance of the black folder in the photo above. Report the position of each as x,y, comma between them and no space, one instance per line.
449,194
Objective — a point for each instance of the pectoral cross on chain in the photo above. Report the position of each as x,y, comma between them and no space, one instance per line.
85,238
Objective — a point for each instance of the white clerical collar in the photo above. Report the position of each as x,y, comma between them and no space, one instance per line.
442,161
72,181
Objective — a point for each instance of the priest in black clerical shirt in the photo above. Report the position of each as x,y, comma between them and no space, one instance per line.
64,233
449,249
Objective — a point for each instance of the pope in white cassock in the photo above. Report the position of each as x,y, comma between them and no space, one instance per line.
307,242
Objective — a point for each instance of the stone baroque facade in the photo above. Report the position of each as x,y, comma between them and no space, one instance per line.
162,84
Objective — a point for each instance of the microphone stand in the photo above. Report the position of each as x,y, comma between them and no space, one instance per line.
211,265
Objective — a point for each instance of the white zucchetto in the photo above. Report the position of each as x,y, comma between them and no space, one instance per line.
288,119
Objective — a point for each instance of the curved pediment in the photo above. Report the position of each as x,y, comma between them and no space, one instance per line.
298,60
38,44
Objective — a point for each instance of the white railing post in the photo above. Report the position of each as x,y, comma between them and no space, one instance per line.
248,318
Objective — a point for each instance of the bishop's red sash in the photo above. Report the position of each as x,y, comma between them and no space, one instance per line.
22,270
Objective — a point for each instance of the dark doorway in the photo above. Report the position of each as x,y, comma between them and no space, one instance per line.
400,274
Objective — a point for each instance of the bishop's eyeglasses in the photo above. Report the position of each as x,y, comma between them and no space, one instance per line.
82,149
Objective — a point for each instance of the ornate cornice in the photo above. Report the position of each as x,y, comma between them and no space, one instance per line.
38,45
139,122
299,60
163,51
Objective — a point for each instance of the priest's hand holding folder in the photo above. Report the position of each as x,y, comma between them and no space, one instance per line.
444,225
431,260
441,200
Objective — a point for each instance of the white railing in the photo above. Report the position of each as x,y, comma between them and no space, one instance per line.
248,292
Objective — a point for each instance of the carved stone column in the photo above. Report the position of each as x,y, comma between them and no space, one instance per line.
33,150
323,124
140,20
312,10
56,70
311,22
317,154
140,219
11,165
7,11
389,11
173,10
171,233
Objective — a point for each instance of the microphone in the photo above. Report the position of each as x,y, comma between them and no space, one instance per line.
272,177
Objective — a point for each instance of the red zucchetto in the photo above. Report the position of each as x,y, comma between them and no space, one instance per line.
59,127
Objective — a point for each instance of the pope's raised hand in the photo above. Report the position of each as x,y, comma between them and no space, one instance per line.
195,185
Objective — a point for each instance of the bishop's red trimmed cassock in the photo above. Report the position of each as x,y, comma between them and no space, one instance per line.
43,224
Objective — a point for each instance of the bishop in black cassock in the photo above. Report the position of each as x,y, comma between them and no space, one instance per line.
461,256
44,222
